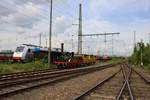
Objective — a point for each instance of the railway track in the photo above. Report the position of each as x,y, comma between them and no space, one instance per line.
126,84
140,86
18,75
11,84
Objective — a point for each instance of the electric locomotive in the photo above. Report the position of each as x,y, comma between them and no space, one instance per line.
26,52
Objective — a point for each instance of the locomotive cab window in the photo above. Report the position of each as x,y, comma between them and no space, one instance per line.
20,49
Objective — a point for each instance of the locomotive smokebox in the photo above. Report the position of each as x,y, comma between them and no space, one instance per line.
62,47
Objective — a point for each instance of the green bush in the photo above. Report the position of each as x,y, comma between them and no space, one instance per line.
141,50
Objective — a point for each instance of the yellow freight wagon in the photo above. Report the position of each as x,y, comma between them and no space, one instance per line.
87,59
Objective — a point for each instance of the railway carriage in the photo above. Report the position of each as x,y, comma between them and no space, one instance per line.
88,59
6,56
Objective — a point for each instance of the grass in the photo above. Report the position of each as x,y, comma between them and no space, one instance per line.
114,60
6,68
147,67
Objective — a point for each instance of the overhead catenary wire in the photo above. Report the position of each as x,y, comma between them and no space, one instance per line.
125,46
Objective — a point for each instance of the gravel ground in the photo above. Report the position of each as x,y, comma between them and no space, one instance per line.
65,90
140,89
107,91
143,72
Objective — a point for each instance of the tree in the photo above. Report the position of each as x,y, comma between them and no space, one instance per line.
141,51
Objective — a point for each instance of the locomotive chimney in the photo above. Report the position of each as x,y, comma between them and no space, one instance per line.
62,47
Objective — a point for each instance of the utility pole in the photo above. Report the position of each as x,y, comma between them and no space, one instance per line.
98,52
134,38
40,39
72,44
112,44
88,50
80,30
46,42
105,44
50,32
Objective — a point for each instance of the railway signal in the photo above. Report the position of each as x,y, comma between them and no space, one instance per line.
141,46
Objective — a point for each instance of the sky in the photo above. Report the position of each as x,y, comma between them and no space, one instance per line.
23,20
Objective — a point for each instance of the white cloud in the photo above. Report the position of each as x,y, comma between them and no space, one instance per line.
25,15
29,9
109,6
61,24
24,20
98,26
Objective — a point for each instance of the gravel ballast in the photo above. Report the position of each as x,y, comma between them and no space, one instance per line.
65,90
143,72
